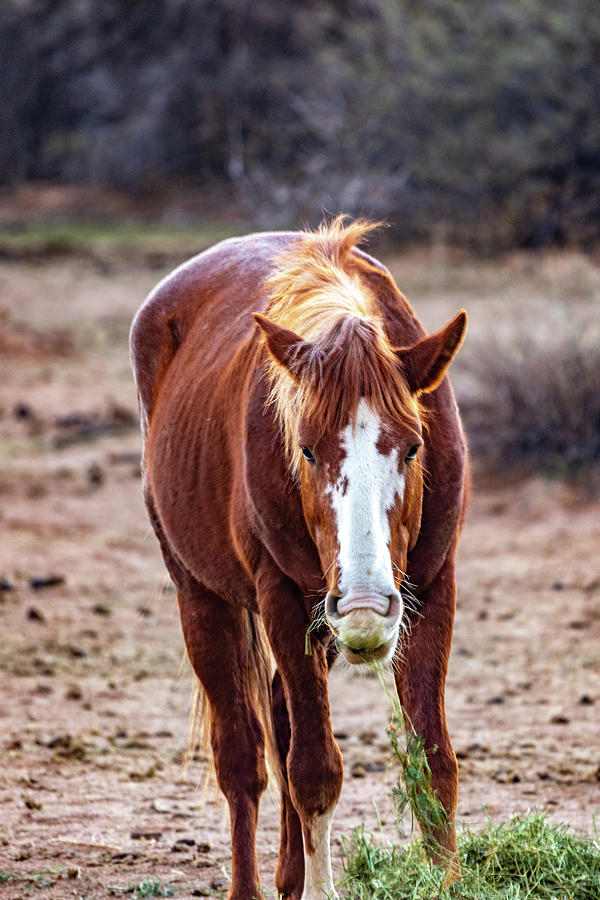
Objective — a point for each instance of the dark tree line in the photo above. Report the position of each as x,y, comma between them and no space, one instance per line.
481,116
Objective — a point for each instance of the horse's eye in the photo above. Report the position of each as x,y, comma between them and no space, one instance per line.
307,454
412,453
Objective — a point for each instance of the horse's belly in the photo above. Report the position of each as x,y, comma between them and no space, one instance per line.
192,481
199,538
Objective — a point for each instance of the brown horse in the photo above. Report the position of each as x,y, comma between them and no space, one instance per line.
311,452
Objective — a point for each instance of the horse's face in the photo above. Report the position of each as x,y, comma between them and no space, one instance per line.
361,481
361,493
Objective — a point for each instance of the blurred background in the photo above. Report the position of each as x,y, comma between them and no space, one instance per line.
478,120
134,134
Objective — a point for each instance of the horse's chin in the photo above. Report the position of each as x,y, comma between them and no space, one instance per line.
381,654
365,636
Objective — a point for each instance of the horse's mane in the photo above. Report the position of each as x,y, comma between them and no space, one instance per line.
316,291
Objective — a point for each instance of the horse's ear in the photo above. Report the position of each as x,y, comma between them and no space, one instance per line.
426,362
285,346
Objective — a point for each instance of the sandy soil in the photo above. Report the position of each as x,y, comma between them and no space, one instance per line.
94,699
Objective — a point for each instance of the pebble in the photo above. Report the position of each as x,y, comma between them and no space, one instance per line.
95,475
37,584
182,845
34,615
74,692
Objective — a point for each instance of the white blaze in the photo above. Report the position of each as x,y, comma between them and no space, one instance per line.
364,493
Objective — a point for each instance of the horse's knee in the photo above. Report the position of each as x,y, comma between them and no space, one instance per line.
315,780
239,757
237,775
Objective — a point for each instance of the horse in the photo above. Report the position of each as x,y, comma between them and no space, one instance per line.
302,449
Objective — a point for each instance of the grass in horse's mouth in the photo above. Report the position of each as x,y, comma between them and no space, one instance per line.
414,794
365,656
313,625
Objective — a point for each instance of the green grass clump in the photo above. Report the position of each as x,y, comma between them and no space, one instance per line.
532,858
151,887
40,878
524,858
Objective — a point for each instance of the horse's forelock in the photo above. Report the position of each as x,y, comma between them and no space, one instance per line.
350,361
316,292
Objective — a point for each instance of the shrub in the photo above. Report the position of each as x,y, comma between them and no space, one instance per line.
537,405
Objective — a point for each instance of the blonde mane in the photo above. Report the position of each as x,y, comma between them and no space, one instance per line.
316,291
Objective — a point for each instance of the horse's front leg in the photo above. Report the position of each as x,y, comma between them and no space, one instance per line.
314,762
290,865
421,678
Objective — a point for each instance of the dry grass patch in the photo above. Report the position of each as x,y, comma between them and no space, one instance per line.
537,406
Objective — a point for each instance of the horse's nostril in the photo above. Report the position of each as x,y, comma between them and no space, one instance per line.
331,605
394,607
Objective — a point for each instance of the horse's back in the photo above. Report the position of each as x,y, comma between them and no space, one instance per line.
205,302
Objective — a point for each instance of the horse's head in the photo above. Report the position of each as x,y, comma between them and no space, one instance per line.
351,418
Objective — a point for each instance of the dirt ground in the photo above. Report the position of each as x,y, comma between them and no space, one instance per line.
95,698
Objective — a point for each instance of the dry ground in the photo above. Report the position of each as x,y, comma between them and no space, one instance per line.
94,704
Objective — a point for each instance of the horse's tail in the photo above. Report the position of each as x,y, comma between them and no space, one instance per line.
153,342
261,671
260,678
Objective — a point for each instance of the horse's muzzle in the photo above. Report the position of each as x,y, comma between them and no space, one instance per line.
366,624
